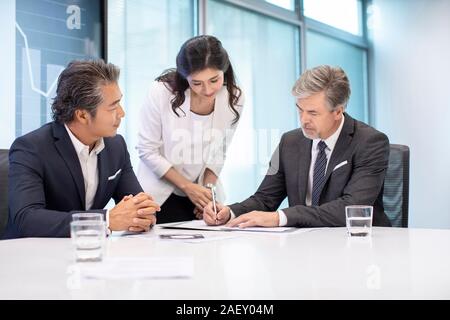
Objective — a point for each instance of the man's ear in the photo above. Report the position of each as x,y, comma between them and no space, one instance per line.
81,116
339,111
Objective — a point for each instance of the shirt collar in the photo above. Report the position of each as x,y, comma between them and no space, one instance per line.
80,146
331,140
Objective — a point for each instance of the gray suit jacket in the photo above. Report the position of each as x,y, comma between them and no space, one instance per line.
360,181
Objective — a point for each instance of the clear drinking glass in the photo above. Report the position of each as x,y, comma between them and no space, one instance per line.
88,238
359,220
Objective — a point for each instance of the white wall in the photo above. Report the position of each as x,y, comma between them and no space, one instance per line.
411,97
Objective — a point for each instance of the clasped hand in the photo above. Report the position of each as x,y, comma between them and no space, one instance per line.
134,213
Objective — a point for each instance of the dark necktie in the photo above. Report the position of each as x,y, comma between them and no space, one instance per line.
319,173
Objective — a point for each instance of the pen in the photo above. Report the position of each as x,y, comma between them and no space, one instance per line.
213,192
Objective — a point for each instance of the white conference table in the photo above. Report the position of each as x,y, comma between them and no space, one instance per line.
394,263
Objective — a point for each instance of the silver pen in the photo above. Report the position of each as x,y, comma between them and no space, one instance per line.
213,193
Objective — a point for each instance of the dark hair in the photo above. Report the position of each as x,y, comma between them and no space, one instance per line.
79,87
197,54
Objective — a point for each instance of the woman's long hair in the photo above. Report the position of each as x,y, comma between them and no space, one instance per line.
195,55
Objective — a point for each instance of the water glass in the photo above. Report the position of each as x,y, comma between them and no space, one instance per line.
88,238
359,220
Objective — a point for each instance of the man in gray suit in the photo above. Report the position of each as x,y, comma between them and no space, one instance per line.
332,162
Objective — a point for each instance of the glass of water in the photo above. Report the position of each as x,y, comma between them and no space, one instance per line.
359,220
88,238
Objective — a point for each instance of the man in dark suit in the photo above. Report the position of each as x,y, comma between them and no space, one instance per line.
332,162
78,162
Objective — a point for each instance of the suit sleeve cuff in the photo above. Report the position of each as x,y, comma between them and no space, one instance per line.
282,218
232,215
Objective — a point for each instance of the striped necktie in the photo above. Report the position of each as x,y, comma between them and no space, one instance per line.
319,173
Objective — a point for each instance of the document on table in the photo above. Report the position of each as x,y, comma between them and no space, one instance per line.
201,225
140,268
192,225
194,238
259,229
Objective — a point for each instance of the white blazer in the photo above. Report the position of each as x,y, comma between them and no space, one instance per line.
161,130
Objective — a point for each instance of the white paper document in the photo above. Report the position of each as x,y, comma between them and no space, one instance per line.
259,229
193,225
201,225
194,237
140,268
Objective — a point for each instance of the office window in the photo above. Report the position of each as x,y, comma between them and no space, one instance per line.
286,4
265,55
341,14
39,38
322,49
143,40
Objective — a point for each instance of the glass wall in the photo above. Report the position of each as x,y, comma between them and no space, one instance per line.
266,73
286,4
144,37
322,49
342,14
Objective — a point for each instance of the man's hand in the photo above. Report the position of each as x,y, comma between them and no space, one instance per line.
256,219
134,214
223,214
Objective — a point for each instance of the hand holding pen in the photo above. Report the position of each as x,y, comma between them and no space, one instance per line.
213,194
213,191
219,217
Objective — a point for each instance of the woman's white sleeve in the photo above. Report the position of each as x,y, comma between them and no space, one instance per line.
150,140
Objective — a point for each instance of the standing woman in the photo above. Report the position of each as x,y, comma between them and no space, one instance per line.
186,123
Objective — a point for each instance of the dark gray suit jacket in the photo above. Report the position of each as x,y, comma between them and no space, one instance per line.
360,181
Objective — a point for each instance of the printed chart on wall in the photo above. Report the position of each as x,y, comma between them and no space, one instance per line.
44,36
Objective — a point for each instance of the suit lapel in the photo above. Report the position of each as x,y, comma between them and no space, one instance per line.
303,164
344,140
67,151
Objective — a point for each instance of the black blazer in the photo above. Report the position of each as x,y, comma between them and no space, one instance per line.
359,181
46,182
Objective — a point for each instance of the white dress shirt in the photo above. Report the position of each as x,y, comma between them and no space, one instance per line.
331,143
199,148
88,163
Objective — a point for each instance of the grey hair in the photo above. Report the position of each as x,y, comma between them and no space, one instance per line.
79,87
331,80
